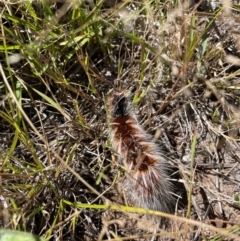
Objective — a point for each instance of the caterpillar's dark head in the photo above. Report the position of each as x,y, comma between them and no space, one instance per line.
120,105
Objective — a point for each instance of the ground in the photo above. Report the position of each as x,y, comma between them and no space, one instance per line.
179,65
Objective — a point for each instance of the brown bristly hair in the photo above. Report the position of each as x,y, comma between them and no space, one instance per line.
146,183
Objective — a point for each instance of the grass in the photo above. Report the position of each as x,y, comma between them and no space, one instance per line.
58,173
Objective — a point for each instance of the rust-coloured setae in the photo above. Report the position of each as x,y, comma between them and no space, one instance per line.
146,183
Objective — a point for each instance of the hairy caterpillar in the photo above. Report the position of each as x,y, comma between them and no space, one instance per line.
146,183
